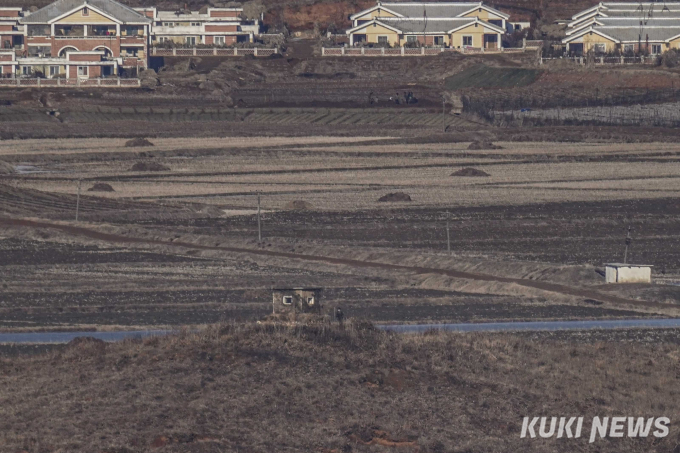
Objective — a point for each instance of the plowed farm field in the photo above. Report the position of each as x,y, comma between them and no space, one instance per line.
547,214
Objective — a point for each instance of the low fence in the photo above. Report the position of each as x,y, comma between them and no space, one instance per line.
411,51
604,60
212,51
58,82
654,115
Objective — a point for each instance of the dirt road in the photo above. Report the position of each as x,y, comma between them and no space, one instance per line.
541,285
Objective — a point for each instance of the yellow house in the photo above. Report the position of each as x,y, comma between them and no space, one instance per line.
452,24
625,36
430,10
453,33
650,28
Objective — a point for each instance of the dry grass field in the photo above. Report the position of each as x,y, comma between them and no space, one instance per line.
323,388
347,174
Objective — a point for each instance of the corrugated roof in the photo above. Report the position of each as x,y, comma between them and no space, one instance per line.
632,34
60,7
435,10
426,26
651,23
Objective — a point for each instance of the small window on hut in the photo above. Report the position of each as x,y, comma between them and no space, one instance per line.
287,300
310,301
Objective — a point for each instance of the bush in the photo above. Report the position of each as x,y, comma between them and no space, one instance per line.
670,59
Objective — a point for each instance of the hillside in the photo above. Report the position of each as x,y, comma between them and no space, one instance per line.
318,388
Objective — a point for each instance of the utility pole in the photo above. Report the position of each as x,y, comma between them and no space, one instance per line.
259,225
628,241
444,112
448,234
78,199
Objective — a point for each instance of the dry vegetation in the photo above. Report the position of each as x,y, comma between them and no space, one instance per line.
548,212
341,175
318,387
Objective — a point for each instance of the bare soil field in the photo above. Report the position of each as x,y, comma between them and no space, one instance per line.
178,247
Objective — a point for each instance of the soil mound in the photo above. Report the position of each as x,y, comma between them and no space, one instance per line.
467,171
5,168
149,166
298,205
136,142
101,187
483,145
396,196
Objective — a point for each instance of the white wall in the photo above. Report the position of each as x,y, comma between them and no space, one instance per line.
632,274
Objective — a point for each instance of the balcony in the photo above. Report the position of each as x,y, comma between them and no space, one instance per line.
101,30
69,31
132,40
184,30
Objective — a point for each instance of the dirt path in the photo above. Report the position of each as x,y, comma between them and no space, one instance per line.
541,285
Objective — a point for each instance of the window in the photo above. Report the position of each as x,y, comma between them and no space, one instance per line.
518,27
86,11
287,300
219,40
310,301
438,40
656,49
191,40
54,70
195,24
83,71
628,48
382,40
168,24
129,51
467,40
411,39
600,48
27,70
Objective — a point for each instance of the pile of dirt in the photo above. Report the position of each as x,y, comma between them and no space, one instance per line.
299,205
137,142
5,168
149,166
101,187
396,196
483,145
468,171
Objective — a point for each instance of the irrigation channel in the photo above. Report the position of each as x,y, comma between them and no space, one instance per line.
65,337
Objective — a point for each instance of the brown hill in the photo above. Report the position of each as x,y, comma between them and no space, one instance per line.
318,387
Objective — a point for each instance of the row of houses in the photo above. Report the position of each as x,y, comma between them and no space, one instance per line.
452,25
609,27
99,38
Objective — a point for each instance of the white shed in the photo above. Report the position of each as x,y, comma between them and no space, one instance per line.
627,273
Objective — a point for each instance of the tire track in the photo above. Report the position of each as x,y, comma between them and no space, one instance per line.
544,286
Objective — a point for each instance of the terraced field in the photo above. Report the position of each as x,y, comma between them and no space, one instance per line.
481,76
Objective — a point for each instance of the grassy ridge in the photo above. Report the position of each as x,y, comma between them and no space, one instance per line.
318,387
